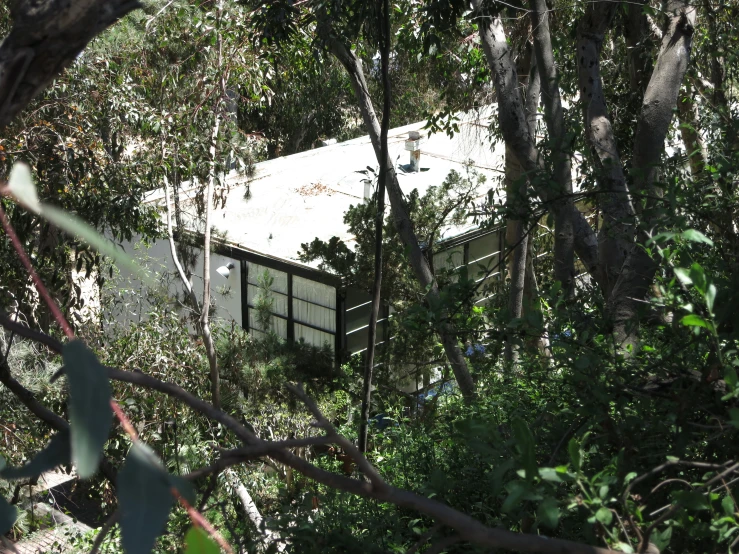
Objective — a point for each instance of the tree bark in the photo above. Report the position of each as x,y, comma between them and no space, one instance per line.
695,148
384,27
637,33
512,121
517,235
402,220
616,235
560,144
659,102
47,36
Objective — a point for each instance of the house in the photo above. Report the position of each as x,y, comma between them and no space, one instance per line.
262,222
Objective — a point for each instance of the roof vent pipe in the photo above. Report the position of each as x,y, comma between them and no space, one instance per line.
413,145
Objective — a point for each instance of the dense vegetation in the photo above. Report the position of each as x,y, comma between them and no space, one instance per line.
591,405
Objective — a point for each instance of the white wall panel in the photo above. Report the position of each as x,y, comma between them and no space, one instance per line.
311,314
312,291
313,336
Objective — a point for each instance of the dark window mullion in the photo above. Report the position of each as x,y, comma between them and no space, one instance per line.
290,315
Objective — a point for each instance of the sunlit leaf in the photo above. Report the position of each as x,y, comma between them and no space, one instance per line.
693,235
684,275
693,320
144,499
89,406
56,453
22,188
710,297
604,515
197,541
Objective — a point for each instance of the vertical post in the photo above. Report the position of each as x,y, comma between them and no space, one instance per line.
290,320
340,336
244,295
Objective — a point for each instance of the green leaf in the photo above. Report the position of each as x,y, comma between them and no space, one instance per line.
525,444
662,540
184,487
548,513
144,499
727,504
574,449
550,474
21,187
693,320
692,500
698,276
516,491
693,235
684,275
710,297
197,541
56,453
604,515
8,515
89,406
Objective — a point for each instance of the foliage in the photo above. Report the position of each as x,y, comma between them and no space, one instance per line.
580,440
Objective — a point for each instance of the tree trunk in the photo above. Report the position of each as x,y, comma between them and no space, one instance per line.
637,35
401,218
517,239
512,121
384,27
210,348
616,235
560,144
659,102
517,234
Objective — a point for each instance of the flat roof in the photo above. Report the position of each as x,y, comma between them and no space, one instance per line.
295,199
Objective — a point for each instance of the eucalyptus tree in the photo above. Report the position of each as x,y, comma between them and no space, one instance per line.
74,135
336,26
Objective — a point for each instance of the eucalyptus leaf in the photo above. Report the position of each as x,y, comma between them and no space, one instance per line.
144,499
184,487
197,541
90,415
22,188
56,453
8,515
75,227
